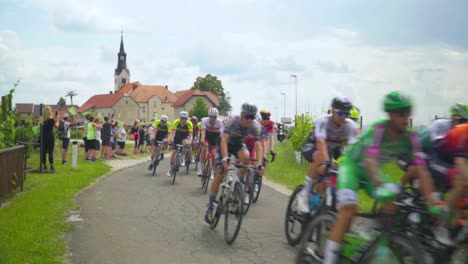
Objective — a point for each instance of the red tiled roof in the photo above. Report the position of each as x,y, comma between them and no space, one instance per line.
24,108
190,93
128,88
181,93
100,101
144,92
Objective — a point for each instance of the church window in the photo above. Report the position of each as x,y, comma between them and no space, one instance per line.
124,80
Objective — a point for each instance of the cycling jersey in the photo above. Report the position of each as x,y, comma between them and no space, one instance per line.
374,142
334,136
435,131
268,125
455,142
161,127
238,133
212,131
178,127
195,126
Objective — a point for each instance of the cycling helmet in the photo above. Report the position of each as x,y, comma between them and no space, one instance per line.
265,112
249,109
183,114
194,119
354,113
395,101
164,118
459,110
213,112
341,103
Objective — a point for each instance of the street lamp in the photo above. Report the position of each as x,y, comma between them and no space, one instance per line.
284,106
295,79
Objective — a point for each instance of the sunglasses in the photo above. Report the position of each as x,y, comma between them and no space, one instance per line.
461,120
249,117
403,112
183,118
342,113
265,118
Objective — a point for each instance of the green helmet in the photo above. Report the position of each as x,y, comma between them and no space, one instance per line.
459,110
395,100
354,113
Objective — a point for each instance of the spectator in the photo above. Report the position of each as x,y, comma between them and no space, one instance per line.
106,138
91,140
85,135
48,138
97,126
113,139
135,135
141,137
66,139
121,138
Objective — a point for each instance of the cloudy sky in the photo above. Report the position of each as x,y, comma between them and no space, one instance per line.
361,49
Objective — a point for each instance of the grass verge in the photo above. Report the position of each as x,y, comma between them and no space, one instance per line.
33,222
287,172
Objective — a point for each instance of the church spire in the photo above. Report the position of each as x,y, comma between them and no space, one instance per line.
121,57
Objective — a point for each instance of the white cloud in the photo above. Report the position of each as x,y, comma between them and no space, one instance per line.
253,56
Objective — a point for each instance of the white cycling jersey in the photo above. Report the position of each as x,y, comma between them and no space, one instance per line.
217,127
334,136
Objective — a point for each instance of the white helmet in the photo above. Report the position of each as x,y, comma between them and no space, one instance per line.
183,114
213,112
164,118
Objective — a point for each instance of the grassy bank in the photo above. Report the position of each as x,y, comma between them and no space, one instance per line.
287,172
32,223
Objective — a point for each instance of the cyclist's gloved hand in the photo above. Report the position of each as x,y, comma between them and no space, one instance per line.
384,194
435,211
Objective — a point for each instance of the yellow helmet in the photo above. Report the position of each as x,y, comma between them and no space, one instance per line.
354,113
265,112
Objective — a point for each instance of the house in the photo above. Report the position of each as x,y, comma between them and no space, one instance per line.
154,100
133,100
24,113
30,113
187,99
121,106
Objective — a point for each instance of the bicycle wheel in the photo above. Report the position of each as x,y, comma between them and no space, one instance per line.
248,190
176,167
197,157
156,161
217,213
188,160
206,175
257,187
233,213
402,250
295,221
312,245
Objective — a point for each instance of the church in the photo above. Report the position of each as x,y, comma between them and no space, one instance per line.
132,100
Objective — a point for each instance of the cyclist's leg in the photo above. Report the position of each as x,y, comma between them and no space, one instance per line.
347,187
219,175
201,163
311,154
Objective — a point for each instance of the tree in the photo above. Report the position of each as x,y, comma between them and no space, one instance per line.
62,102
200,109
212,84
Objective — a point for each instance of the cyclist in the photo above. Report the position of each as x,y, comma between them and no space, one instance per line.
355,114
161,132
270,127
235,129
442,166
210,135
330,133
196,134
454,146
384,141
181,133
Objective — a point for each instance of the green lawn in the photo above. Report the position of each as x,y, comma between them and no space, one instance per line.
32,223
287,172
